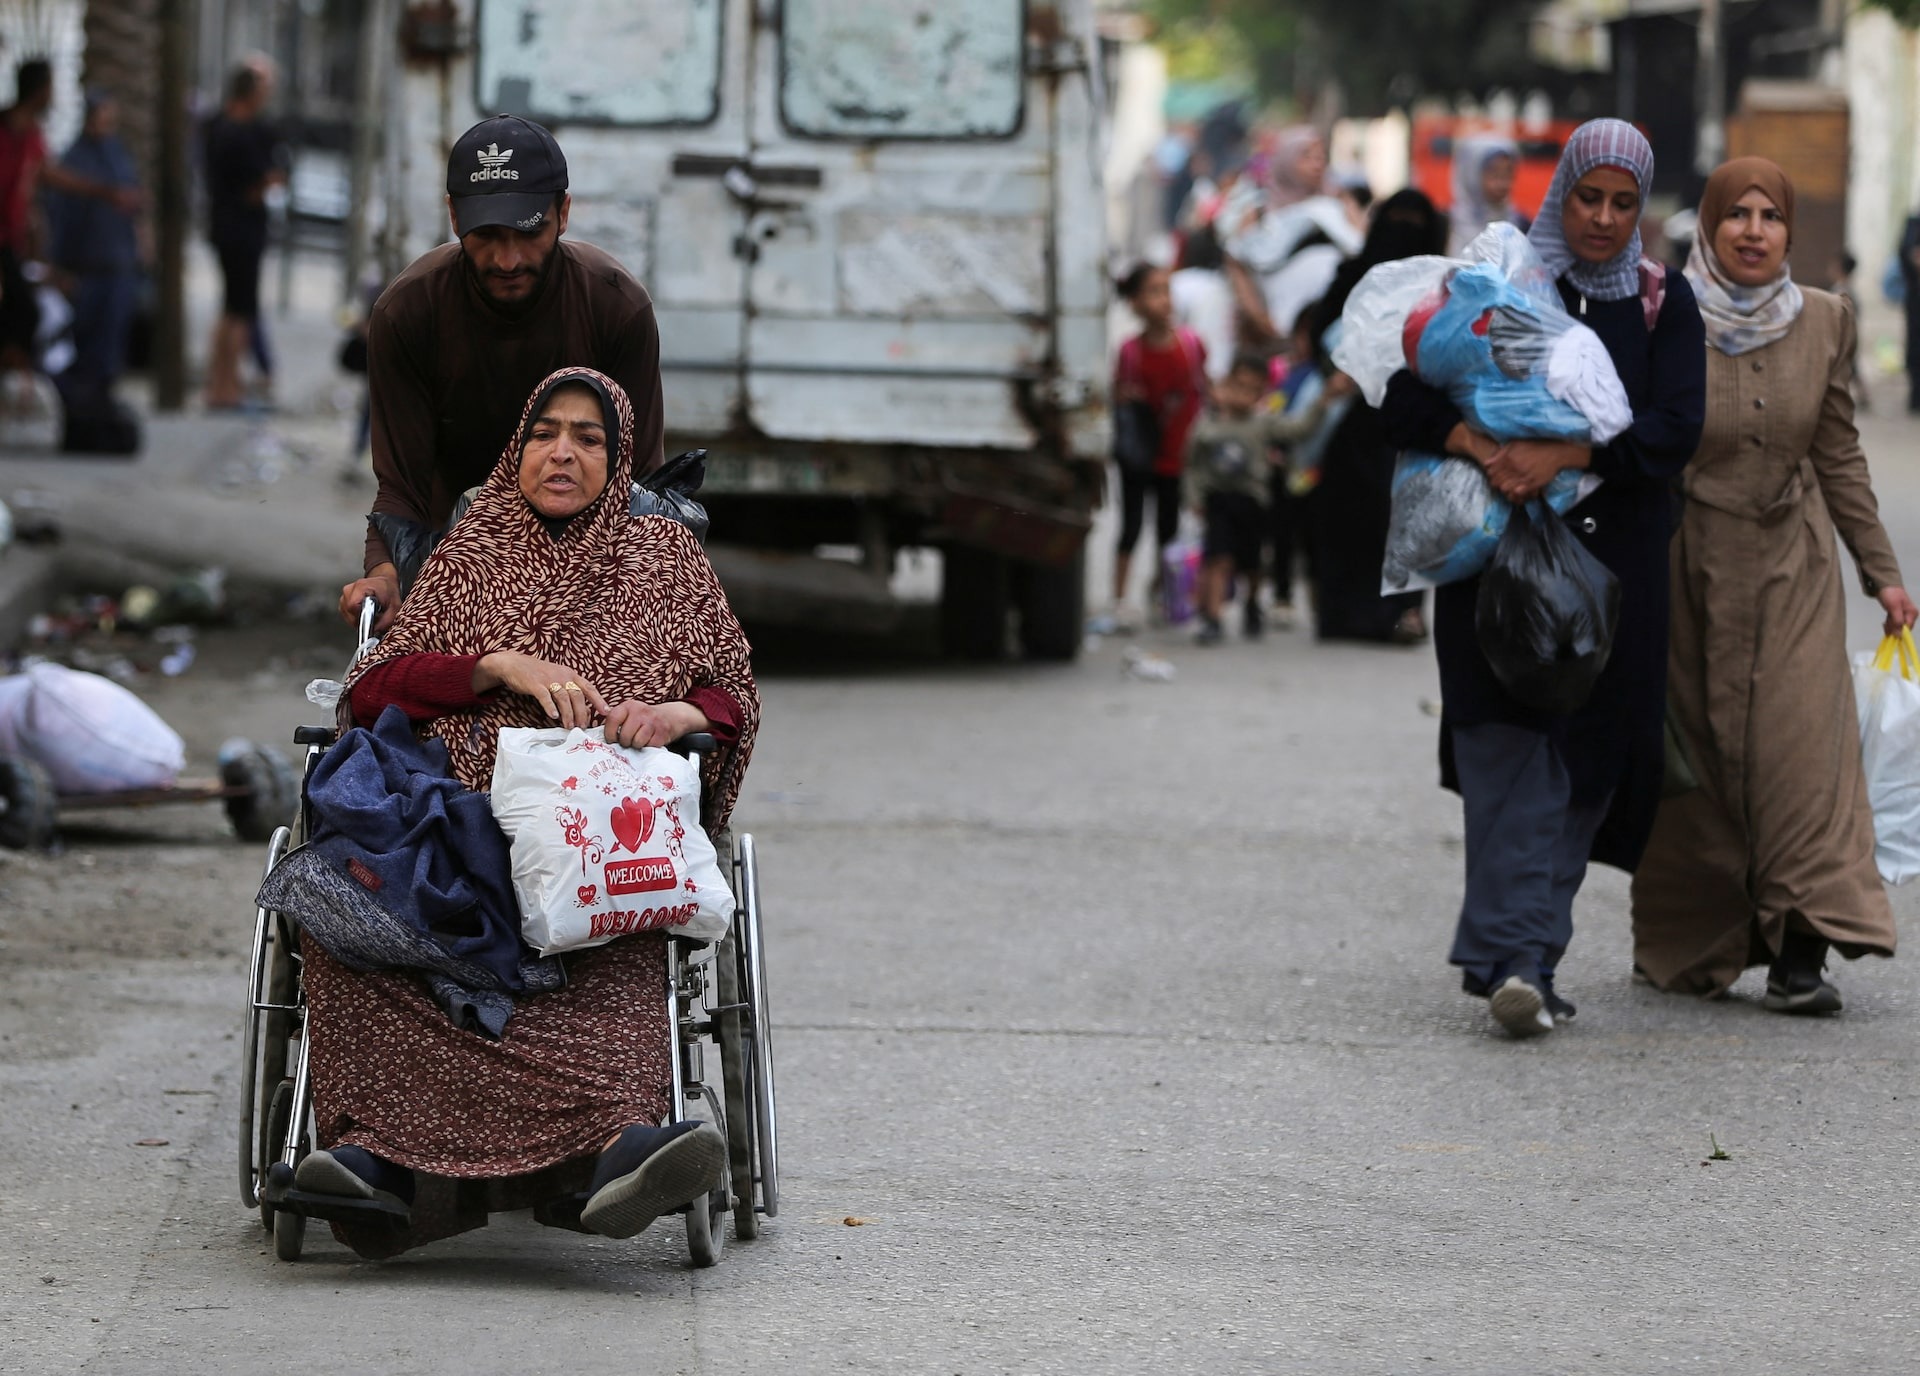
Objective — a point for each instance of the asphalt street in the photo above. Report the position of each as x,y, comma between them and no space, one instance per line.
1114,1034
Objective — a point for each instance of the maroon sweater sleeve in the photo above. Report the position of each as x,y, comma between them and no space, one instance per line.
424,686
722,711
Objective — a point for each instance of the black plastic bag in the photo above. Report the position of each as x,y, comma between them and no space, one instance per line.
1546,613
668,491
1136,437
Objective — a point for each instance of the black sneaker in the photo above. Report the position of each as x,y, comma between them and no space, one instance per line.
1801,991
652,1171
1253,622
1519,1002
362,1182
1797,981
1562,1010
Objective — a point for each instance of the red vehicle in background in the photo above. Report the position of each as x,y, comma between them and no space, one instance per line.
1540,145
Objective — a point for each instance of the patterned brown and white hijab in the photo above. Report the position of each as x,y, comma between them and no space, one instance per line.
629,602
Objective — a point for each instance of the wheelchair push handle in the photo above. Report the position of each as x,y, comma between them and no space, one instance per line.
694,744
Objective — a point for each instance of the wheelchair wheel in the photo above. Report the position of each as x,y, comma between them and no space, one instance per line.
270,981
273,1140
289,1234
753,988
729,1031
707,1218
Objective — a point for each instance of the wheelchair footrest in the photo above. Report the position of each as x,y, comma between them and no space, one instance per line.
278,1191
359,1213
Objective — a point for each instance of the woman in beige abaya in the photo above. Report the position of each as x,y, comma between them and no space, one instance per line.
1769,859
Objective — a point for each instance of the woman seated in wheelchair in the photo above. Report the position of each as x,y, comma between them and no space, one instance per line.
545,606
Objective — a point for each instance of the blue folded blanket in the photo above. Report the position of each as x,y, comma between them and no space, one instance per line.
407,869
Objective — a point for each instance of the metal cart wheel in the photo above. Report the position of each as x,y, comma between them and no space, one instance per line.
26,804
753,988
268,791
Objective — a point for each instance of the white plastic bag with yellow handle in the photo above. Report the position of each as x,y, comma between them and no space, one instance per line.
1886,687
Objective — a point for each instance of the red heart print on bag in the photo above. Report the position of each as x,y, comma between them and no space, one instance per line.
588,892
632,823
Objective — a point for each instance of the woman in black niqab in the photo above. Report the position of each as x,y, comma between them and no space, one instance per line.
1349,512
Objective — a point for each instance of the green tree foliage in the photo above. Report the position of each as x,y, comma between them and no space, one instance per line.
1383,52
1223,41
1906,11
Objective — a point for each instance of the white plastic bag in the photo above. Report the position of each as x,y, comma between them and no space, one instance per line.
93,736
606,841
1886,688
1371,346
1489,329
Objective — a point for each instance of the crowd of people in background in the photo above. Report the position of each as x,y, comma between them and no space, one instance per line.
1716,757
76,251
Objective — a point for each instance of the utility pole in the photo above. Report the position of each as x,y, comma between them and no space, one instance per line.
296,137
173,203
368,103
1710,91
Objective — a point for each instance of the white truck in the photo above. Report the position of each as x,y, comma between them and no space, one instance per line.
874,233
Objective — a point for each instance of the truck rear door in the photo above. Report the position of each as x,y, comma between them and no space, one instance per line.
897,222
652,119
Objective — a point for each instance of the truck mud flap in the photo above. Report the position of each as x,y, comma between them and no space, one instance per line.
1032,532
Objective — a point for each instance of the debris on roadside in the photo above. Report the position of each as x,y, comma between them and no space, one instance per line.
265,459
1150,668
35,518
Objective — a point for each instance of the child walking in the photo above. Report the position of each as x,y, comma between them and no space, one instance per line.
1160,373
1231,454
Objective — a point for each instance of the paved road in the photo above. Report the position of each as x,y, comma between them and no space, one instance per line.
1115,1010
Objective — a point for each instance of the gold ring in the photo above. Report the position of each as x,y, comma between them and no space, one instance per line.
553,687
573,687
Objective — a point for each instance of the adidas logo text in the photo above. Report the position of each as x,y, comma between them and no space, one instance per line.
493,166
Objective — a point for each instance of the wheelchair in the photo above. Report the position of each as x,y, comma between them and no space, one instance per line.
716,996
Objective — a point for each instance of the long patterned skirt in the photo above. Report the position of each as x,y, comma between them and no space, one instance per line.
526,1115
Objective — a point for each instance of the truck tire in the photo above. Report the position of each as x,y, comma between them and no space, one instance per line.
1053,608
975,595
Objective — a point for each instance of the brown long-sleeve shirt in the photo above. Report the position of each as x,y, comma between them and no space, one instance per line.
448,373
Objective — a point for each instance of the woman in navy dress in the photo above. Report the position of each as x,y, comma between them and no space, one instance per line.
1545,795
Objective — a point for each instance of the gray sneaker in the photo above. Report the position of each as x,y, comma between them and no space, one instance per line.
1520,1005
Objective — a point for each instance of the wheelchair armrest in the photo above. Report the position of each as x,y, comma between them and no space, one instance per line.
315,735
694,744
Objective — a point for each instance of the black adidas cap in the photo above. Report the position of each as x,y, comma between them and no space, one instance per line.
505,171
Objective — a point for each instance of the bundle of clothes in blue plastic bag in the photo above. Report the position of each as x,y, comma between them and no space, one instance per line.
1490,331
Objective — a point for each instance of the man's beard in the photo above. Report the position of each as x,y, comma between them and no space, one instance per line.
520,304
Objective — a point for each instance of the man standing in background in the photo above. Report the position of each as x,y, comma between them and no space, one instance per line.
97,243
244,159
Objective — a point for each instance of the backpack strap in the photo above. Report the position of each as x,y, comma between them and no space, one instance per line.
1653,290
